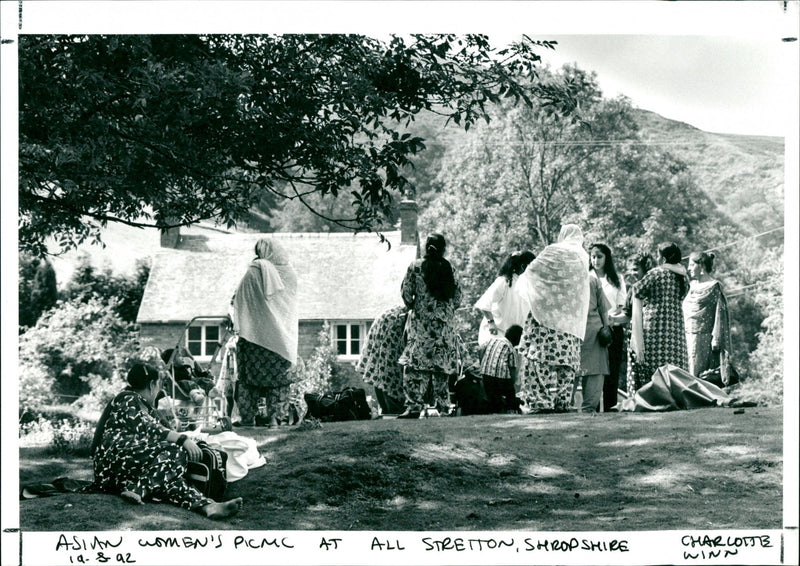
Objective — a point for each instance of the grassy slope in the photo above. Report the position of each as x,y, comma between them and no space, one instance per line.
704,469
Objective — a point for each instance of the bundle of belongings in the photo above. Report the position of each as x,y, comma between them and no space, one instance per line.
672,388
350,404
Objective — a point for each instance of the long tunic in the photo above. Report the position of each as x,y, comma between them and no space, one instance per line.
662,317
705,312
385,343
432,343
134,455
594,357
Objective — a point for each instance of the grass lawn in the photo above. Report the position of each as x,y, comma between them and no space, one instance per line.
701,469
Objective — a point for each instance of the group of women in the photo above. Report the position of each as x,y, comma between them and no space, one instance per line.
573,305
583,323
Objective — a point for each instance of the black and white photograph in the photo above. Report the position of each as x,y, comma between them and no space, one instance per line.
377,282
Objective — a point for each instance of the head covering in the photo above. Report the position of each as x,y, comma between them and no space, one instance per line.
141,375
556,284
265,304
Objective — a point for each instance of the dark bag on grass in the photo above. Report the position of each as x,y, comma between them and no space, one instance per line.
347,405
208,475
470,395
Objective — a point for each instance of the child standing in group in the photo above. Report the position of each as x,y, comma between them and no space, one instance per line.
499,367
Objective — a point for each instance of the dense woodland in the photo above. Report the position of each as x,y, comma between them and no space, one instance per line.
538,151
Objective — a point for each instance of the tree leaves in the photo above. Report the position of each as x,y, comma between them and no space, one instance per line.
184,125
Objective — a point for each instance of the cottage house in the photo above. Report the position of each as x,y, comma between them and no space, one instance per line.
344,279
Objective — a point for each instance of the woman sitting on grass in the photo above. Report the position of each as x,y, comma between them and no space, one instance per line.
139,458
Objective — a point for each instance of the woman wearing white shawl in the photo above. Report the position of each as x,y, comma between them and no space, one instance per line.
265,319
556,287
500,304
657,326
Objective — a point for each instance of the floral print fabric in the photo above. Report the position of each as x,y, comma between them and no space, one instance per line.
134,455
432,342
553,358
385,343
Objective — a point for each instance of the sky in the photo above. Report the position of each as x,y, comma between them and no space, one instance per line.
719,66
736,85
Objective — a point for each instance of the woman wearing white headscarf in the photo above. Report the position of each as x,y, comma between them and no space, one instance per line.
265,319
556,286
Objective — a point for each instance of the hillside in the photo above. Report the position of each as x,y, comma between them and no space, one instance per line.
743,175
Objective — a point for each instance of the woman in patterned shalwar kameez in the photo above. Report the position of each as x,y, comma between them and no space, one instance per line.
139,458
657,329
378,362
432,294
556,287
265,320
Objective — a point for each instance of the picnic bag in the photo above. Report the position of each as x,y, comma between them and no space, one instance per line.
350,404
208,475
470,394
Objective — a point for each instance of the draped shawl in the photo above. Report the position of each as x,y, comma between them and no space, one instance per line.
265,304
505,304
705,311
555,285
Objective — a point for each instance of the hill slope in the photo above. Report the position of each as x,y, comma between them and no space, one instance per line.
743,175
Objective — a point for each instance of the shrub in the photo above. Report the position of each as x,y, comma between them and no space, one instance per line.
72,348
63,434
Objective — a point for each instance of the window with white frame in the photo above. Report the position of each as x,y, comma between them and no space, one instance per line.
348,338
202,339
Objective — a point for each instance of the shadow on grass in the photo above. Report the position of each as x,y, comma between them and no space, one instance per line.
701,469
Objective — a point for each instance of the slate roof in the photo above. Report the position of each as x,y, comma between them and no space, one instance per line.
340,276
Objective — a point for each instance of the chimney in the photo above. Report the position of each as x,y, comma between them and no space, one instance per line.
170,237
408,223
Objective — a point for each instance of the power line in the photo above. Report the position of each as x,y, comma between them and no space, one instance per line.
744,240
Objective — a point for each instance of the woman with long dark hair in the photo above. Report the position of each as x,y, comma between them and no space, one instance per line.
501,305
613,287
432,294
657,330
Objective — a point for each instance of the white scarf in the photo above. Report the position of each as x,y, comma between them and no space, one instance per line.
556,284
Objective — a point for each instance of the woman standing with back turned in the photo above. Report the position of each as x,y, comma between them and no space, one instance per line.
432,294
556,287
265,319
657,329
501,305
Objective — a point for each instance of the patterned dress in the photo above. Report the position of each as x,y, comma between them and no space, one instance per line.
385,343
431,351
134,455
708,337
662,321
553,359
262,374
